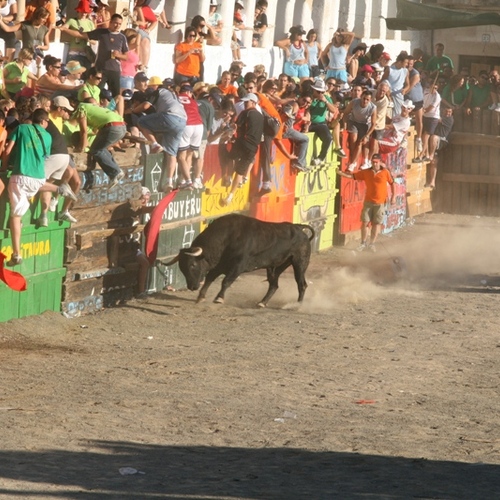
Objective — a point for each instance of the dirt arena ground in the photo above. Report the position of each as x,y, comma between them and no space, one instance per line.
382,385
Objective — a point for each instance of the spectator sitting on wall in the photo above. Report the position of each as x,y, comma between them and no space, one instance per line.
479,96
250,127
415,93
214,18
146,22
395,133
239,22
438,141
167,122
300,141
205,33
360,118
381,101
376,179
397,77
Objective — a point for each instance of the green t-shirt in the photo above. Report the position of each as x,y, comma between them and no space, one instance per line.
319,110
11,71
79,44
29,152
480,95
459,95
439,63
93,90
97,117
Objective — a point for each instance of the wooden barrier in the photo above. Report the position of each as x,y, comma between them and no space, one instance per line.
468,169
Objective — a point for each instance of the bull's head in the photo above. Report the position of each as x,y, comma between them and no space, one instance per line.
192,265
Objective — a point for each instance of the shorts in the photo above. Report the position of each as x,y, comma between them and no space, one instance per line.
243,158
169,126
378,134
373,212
357,128
296,70
143,33
127,82
56,165
338,74
418,105
21,188
430,124
191,137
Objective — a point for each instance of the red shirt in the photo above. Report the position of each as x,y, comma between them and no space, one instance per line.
192,110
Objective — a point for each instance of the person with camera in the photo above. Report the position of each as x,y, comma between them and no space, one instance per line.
188,57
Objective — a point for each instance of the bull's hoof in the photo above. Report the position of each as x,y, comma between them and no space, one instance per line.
199,300
261,304
218,300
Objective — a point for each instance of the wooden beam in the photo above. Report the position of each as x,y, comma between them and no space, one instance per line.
472,139
472,178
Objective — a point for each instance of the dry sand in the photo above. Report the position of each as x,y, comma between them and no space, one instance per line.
382,385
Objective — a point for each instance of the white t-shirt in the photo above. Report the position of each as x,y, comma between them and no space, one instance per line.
5,11
433,100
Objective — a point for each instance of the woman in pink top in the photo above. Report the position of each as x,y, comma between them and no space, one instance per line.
132,64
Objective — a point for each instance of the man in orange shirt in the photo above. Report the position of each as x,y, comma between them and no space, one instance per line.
376,179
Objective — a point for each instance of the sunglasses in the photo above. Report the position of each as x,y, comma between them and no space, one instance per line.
192,35
57,67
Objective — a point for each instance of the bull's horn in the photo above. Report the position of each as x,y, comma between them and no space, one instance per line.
173,261
194,252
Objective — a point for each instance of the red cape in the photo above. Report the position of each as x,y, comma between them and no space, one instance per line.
13,280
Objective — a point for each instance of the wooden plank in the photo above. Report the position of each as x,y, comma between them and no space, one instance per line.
87,239
419,203
484,158
476,139
472,178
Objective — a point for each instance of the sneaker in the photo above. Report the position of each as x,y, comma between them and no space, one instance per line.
243,181
227,201
116,179
417,160
186,185
352,167
168,188
15,260
226,182
372,248
298,166
426,159
361,247
53,204
315,162
66,216
264,190
366,165
492,106
43,221
155,149
197,184
67,192
340,152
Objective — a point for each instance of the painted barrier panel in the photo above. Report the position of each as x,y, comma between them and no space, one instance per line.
315,193
43,294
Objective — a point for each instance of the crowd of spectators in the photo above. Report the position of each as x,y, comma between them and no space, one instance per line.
101,99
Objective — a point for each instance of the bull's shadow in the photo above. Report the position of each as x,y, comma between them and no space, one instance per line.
176,472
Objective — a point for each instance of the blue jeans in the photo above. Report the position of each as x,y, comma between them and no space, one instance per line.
300,143
99,149
166,128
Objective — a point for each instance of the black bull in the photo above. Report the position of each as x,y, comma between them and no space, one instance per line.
236,244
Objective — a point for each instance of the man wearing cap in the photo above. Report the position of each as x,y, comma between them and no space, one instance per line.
321,104
365,77
139,103
395,134
250,127
78,49
59,166
167,122
299,140
376,179
110,129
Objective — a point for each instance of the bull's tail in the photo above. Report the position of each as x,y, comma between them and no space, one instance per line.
307,227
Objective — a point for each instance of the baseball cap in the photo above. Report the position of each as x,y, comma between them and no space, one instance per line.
62,102
385,55
186,87
168,82
127,94
141,77
106,94
367,68
250,97
376,156
155,80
